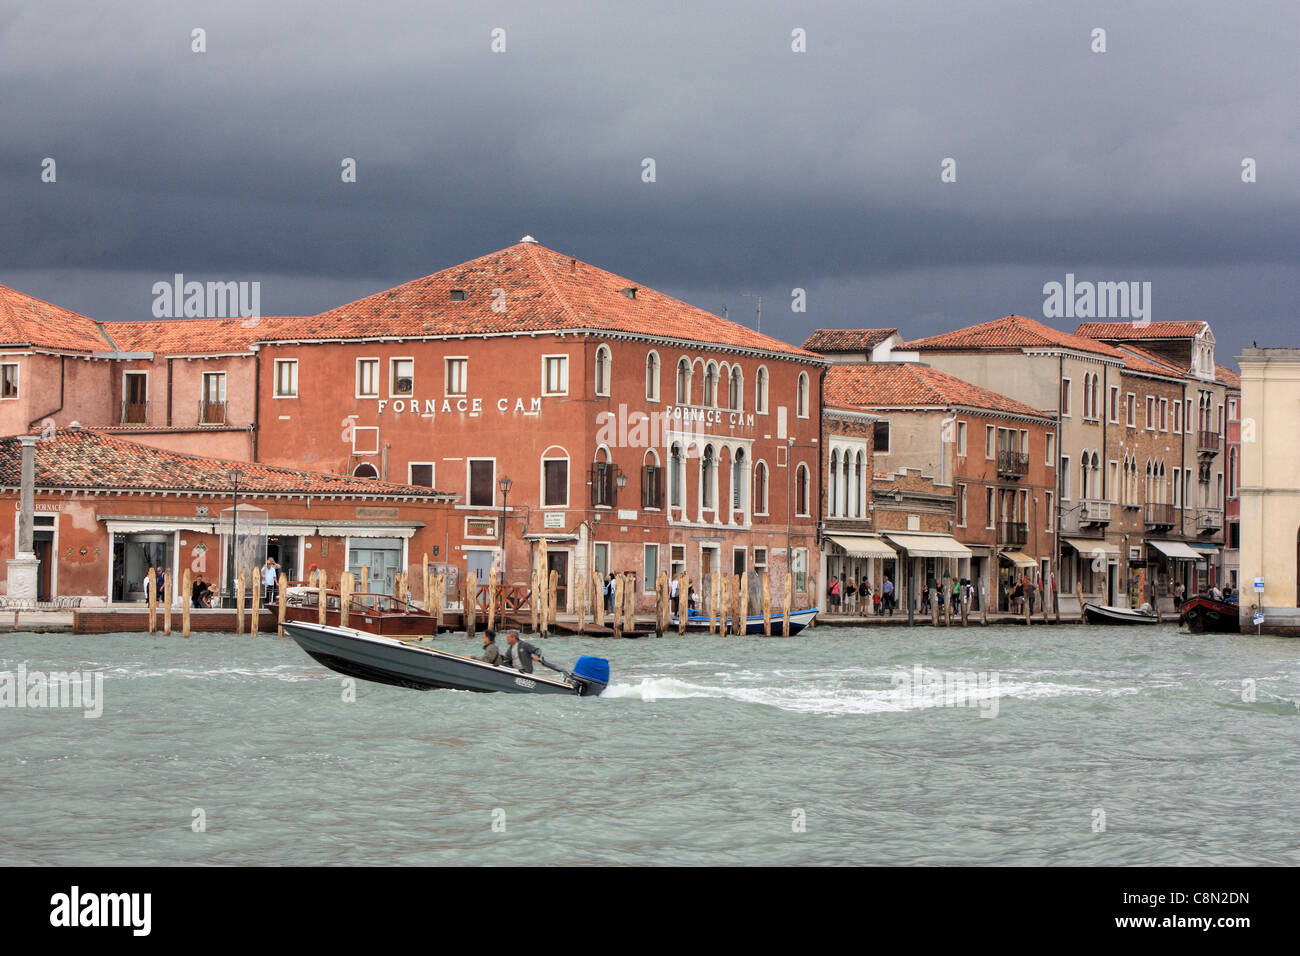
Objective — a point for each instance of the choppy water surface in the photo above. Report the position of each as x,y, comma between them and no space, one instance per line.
705,750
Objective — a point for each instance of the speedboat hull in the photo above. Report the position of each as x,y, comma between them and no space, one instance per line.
385,660
1204,614
754,622
1104,614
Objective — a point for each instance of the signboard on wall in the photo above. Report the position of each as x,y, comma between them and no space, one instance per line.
553,519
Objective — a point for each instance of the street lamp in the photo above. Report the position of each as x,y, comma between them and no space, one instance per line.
504,485
234,474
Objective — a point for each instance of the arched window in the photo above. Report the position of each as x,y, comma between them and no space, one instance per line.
760,390
1096,410
708,477
801,396
677,480
738,482
652,481
860,476
555,477
1083,467
737,393
848,488
365,470
683,382
710,386
801,490
1096,475
760,488
652,377
602,370
832,478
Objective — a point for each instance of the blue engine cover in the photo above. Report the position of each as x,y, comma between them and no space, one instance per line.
593,669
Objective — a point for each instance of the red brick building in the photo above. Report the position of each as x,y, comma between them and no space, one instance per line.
107,509
554,400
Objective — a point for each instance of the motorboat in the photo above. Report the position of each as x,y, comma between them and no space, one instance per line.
371,612
754,622
1202,614
1104,614
407,663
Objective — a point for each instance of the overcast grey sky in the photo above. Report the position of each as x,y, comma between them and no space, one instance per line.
774,169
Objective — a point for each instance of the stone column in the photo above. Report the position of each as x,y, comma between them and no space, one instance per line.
24,567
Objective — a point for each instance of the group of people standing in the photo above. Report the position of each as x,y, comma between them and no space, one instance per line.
848,597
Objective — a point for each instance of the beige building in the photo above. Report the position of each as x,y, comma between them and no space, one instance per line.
1270,488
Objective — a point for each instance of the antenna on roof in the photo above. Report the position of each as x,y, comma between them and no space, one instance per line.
529,239
755,295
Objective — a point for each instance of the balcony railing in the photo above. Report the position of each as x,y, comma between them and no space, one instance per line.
1207,442
1012,464
1014,533
1209,519
212,413
1094,510
135,413
1165,515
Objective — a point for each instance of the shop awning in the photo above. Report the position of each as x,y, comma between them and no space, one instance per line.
862,547
1018,558
930,545
1090,545
1174,549
1203,549
159,526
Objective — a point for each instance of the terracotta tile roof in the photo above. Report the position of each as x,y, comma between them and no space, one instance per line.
80,458
1226,376
544,291
1128,331
846,340
903,385
1138,359
26,320
194,336
1009,332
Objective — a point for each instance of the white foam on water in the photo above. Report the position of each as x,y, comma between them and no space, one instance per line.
283,672
820,698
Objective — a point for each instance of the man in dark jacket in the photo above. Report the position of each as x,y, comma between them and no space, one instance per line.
520,654
491,653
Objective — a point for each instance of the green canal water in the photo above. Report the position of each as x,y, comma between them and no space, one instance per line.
1109,746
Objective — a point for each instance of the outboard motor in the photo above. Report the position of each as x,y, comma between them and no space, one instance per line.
591,676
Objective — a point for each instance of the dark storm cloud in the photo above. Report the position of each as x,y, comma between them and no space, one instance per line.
774,170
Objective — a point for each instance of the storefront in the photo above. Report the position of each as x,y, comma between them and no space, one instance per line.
1093,572
1012,567
1170,563
863,559
928,561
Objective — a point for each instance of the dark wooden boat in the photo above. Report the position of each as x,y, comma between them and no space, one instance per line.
754,622
372,613
388,660
1104,614
1203,614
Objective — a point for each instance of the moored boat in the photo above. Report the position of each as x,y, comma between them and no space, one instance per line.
1104,614
1203,613
754,622
387,660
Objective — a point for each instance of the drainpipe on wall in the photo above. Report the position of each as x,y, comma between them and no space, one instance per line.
1056,466
169,393
257,400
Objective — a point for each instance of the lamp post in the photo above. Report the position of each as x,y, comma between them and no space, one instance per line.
504,485
235,474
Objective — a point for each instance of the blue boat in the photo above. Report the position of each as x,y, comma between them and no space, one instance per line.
754,622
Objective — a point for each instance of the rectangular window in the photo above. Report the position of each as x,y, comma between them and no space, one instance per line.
880,432
1065,477
367,378
1024,442
1187,417
990,448
555,375
651,579
1049,442
760,560
1051,511
9,380
678,555
961,439
1114,481
286,378
421,473
1151,414
401,377
801,569
1178,486
961,506
989,511
1164,414
1176,425
1065,398
1114,404
556,491
1130,410
457,376
1232,409
482,481
214,387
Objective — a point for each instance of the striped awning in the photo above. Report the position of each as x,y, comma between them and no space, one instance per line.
861,546
930,545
